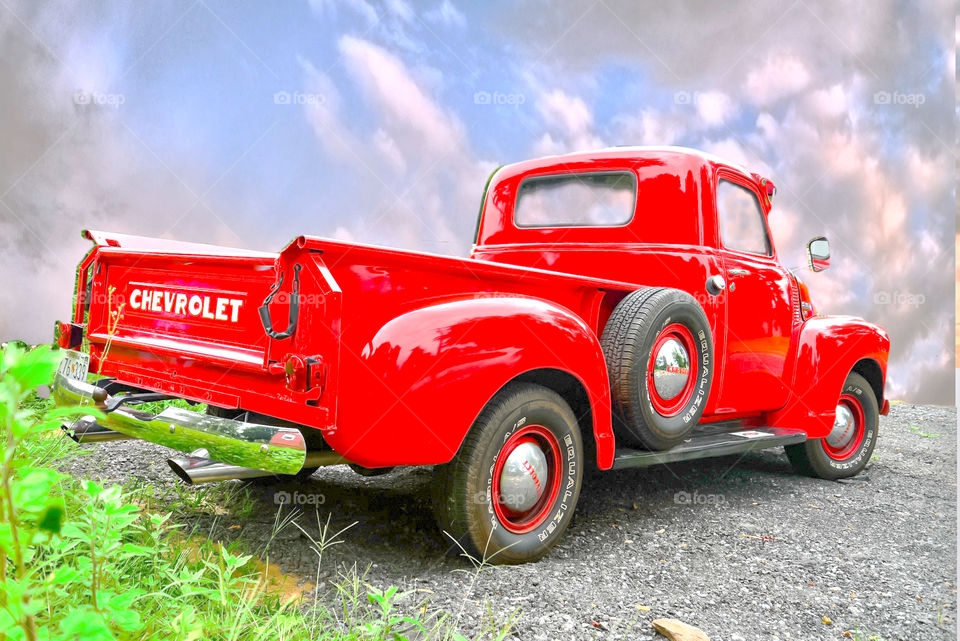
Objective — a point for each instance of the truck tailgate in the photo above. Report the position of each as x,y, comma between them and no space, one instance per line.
206,307
186,300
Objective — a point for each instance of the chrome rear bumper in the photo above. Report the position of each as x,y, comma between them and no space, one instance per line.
279,450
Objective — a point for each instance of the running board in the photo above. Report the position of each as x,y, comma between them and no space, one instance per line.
710,445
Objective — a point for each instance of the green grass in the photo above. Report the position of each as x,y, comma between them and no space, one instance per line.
917,431
82,561
168,582
155,407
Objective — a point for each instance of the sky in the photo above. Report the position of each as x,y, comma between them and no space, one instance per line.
247,124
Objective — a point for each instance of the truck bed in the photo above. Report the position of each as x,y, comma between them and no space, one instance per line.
189,324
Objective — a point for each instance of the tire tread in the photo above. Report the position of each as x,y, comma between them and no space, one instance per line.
627,329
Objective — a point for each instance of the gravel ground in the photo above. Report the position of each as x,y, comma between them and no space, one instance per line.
739,547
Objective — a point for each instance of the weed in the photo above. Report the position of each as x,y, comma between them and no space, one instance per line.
863,635
923,434
83,560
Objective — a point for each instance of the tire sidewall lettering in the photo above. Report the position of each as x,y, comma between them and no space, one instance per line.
568,485
869,436
862,451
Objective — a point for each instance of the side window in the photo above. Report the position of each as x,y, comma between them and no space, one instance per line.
741,219
590,199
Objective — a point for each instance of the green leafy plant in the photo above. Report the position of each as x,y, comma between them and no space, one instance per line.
80,560
31,512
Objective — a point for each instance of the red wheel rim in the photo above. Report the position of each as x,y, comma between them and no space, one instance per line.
671,405
521,522
846,445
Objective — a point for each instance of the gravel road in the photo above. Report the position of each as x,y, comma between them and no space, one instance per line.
739,547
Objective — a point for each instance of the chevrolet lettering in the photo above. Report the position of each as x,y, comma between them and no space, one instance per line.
148,299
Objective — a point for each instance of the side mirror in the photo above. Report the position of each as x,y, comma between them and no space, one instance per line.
818,254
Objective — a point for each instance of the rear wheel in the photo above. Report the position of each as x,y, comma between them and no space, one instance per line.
658,348
846,450
509,493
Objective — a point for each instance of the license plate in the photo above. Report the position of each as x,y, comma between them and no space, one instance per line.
74,365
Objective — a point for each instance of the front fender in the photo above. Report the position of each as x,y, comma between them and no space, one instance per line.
827,348
429,372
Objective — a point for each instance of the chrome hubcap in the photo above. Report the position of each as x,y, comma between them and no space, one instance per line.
671,368
524,477
843,428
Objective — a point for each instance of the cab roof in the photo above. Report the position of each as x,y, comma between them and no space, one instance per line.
671,154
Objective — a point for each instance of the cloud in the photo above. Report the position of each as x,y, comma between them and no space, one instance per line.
423,182
830,102
447,14
395,22
780,76
391,88
568,122
361,8
714,107
71,162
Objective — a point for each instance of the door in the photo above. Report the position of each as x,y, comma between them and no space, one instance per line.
759,314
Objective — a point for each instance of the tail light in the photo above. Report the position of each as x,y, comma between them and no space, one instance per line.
67,335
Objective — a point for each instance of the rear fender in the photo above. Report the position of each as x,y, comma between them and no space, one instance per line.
427,374
828,349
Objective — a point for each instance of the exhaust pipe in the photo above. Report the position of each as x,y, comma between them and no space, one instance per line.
198,468
86,430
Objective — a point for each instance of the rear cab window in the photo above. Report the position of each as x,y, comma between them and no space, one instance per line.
595,199
740,219
656,205
653,199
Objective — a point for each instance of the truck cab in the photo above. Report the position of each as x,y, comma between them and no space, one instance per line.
670,217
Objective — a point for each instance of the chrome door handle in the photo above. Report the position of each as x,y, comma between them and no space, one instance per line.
736,271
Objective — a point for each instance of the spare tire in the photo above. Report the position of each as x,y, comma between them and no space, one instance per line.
659,352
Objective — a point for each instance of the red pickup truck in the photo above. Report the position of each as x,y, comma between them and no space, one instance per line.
622,307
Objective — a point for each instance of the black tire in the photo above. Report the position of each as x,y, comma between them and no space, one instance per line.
462,489
815,457
636,326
